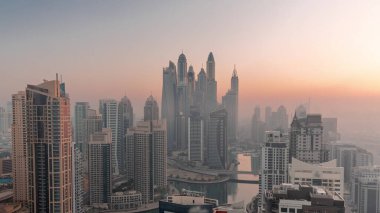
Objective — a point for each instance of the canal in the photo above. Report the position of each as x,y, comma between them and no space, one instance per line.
228,192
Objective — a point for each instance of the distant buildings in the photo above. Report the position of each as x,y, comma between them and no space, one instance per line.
211,101
147,157
230,102
302,198
274,160
217,140
168,102
365,189
100,166
274,120
80,125
350,156
151,109
182,91
258,128
306,138
326,175
125,121
330,130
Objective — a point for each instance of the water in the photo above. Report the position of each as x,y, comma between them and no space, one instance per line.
228,192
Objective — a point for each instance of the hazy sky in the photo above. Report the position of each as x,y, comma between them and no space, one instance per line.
285,51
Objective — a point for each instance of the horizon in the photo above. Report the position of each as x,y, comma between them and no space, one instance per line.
285,53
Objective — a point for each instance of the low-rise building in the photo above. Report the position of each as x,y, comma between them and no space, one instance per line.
188,202
292,198
325,174
125,200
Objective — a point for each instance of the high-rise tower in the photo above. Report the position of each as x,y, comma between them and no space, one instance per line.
151,109
217,140
108,108
274,160
211,84
230,102
19,148
191,85
169,102
306,138
195,146
182,69
100,155
125,121
49,147
201,90
147,157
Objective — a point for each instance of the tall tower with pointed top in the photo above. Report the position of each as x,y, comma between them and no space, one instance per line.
182,69
211,84
210,67
231,103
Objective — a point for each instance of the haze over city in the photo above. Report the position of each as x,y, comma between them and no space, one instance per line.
218,99
285,52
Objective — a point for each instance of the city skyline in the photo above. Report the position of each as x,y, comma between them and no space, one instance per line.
333,44
190,106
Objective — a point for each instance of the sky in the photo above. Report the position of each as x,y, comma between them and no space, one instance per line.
286,52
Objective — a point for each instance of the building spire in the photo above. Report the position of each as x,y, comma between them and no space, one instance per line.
234,72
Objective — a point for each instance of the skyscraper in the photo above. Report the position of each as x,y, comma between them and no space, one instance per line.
191,85
81,109
365,189
274,160
277,120
78,174
49,152
182,69
212,101
100,155
268,117
196,136
151,109
3,120
306,138
125,121
201,91
108,108
230,102
258,127
147,157
168,102
19,148
182,86
217,140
